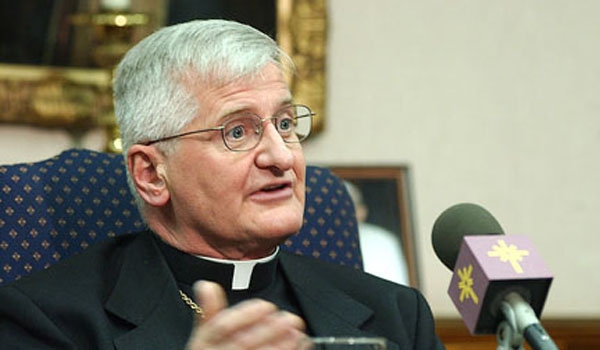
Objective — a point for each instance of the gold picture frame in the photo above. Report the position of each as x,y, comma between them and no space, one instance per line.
78,99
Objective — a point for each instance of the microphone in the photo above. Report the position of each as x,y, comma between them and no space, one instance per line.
499,282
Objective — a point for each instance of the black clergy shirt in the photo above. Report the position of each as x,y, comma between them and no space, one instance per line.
266,280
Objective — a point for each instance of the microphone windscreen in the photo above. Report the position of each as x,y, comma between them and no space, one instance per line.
464,219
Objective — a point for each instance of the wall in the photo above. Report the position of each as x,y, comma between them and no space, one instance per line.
493,102
27,144
488,102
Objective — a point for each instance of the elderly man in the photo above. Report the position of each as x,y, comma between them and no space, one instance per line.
212,141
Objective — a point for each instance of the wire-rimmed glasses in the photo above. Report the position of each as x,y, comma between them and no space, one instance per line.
243,131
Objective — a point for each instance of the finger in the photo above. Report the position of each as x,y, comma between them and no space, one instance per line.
282,330
251,324
218,330
240,317
211,298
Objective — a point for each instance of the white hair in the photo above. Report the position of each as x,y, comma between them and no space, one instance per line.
150,95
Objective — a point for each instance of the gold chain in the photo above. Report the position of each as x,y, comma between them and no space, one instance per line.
195,307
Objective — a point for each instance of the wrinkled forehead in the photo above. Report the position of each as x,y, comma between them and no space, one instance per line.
223,75
259,92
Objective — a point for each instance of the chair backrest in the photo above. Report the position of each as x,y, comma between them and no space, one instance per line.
52,209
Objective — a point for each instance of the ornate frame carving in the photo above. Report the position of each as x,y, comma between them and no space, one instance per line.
80,99
302,33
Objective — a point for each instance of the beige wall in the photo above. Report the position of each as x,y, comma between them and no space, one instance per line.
494,102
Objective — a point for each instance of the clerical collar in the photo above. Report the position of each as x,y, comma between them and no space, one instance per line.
242,269
246,275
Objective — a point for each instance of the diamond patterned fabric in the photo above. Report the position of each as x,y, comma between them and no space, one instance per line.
55,208
330,229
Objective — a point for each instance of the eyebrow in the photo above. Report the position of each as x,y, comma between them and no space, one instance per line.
287,101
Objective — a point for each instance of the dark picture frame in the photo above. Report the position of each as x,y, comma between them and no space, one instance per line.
386,192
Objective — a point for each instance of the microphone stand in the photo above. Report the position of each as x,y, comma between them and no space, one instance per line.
506,334
520,321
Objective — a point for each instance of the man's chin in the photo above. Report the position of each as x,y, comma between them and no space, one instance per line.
282,232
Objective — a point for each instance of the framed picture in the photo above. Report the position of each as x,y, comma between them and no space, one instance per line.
384,212
56,70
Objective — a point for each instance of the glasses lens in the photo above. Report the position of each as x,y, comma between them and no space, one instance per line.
242,133
303,122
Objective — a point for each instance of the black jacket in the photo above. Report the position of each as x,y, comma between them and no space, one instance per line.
120,294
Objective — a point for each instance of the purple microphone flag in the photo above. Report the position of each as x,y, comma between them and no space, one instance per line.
488,267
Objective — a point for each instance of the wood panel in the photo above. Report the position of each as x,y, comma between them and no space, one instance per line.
568,334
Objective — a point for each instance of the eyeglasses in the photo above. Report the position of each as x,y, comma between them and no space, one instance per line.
243,131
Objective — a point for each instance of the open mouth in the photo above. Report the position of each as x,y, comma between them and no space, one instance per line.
274,188
274,192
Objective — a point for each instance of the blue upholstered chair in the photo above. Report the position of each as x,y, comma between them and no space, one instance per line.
55,208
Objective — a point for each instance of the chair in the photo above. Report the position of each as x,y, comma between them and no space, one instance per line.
52,209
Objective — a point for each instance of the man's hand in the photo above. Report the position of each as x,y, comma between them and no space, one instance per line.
252,324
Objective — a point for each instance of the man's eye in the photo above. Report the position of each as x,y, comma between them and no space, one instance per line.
237,132
286,124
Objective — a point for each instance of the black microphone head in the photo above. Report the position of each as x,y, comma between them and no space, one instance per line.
465,219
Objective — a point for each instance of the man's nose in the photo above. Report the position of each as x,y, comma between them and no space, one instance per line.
273,150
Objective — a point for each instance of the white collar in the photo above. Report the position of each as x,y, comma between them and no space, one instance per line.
242,269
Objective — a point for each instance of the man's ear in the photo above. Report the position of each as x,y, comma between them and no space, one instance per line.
146,166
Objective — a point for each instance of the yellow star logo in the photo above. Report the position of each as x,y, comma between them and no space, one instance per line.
508,253
466,284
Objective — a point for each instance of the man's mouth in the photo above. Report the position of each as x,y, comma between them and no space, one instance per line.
274,187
